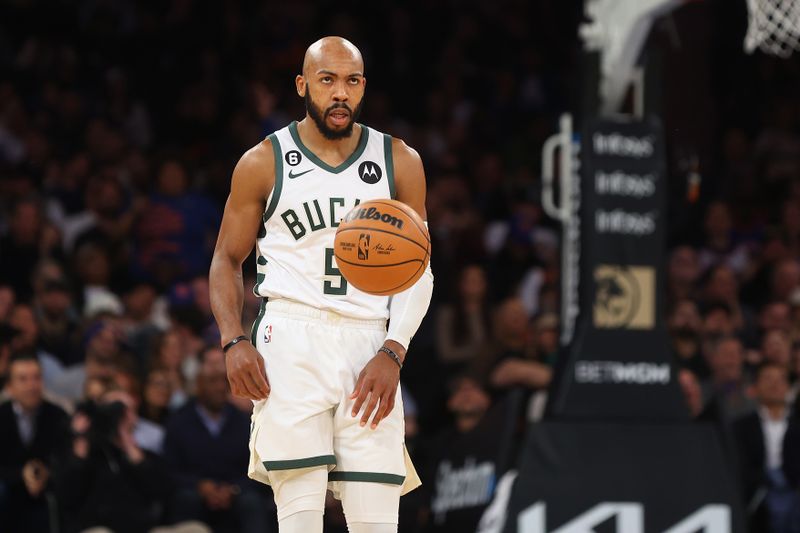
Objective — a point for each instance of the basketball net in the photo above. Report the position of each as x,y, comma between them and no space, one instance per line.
774,27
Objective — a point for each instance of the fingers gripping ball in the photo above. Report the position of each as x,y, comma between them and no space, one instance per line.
382,247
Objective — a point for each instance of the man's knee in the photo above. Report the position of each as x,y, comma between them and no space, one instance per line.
186,504
372,503
299,490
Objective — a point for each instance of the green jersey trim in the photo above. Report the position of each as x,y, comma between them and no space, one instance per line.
257,322
362,145
300,463
387,153
276,190
372,477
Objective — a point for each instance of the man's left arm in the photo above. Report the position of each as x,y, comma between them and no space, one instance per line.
406,309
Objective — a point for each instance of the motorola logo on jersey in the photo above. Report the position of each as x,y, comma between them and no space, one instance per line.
363,246
370,172
293,158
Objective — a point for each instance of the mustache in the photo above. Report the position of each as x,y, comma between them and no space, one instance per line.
338,105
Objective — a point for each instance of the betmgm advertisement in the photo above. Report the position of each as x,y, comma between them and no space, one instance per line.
617,363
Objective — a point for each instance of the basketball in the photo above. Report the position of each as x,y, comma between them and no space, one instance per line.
382,247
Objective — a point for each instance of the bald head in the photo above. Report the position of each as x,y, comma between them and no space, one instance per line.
332,85
331,49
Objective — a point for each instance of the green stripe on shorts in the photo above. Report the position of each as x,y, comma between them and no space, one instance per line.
300,463
373,477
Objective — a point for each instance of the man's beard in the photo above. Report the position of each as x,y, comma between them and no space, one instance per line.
318,116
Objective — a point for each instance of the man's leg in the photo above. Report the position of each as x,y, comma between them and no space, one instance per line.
300,498
370,507
187,505
251,510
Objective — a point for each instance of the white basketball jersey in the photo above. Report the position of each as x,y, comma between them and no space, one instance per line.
310,197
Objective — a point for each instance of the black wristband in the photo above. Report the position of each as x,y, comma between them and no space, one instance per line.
233,343
394,356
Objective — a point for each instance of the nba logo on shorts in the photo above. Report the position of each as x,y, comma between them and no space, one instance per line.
267,333
363,246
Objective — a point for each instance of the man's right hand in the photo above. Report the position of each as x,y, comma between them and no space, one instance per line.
35,475
246,372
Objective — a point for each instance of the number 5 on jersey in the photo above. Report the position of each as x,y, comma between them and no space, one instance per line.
330,270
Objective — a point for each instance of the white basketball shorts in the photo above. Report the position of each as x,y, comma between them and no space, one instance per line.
313,359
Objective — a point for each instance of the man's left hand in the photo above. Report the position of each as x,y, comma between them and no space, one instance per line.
379,381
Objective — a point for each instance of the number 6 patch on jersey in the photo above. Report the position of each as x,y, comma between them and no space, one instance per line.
267,333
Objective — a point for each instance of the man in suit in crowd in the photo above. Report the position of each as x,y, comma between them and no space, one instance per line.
34,433
759,435
206,449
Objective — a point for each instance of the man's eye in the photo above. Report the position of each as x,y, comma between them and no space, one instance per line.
353,81
326,79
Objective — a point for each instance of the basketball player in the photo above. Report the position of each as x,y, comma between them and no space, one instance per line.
320,365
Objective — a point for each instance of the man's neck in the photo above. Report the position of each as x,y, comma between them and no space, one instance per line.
317,143
18,407
211,412
776,411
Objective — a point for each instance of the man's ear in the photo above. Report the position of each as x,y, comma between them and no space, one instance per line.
300,84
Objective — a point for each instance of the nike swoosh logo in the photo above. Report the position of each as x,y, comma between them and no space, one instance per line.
292,175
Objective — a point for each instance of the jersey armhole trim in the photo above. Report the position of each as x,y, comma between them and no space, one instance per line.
387,154
276,189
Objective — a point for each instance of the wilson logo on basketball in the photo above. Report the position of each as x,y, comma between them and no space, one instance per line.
373,213
363,246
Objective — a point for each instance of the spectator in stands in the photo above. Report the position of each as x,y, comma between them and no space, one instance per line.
719,245
23,319
93,266
7,334
141,319
33,435
147,434
103,347
760,440
785,279
682,273
168,355
727,382
544,337
463,325
207,453
174,233
108,481
509,360
7,300
777,349
467,457
57,320
717,320
692,393
156,394
684,326
722,286
29,238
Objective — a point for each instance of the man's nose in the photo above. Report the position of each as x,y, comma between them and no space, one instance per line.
340,92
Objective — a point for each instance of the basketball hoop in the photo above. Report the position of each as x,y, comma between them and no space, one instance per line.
618,29
774,27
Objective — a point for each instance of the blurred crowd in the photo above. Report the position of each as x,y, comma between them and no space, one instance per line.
120,123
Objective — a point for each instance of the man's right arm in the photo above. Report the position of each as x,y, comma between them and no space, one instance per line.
251,184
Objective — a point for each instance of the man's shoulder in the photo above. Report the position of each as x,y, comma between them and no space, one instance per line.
747,422
259,154
51,410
